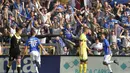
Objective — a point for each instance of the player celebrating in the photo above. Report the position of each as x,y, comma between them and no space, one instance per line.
14,51
34,43
83,51
108,53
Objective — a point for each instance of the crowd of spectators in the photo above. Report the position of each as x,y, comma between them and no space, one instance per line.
66,19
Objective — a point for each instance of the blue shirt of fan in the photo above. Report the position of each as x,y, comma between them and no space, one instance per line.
106,45
33,44
68,33
106,25
112,23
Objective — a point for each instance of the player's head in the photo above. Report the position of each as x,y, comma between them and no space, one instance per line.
85,30
19,30
33,32
103,36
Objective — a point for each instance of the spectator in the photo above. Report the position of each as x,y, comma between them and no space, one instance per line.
126,40
105,24
107,7
97,47
127,23
115,49
69,39
12,30
51,17
124,17
6,35
63,50
113,37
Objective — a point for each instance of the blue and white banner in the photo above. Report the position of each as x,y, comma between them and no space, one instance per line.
67,64
50,64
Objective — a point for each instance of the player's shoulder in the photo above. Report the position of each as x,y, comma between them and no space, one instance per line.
35,38
82,35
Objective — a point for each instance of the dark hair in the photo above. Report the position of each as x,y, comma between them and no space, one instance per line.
96,38
32,31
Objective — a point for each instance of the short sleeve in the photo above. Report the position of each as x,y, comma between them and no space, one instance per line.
107,43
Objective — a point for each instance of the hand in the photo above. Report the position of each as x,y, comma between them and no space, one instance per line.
90,52
45,53
123,30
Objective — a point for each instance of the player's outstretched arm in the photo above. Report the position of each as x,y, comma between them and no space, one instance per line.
25,51
45,52
89,51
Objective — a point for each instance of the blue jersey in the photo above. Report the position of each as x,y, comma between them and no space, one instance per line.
33,44
106,47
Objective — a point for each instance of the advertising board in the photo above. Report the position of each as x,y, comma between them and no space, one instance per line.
67,64
50,64
71,65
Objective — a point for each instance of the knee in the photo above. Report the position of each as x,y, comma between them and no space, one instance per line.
105,63
37,64
18,62
34,62
81,63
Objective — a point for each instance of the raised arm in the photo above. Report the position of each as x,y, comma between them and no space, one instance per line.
39,4
12,1
53,10
48,5
121,36
25,50
45,52
78,19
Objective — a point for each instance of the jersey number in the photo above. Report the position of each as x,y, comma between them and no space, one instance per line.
33,43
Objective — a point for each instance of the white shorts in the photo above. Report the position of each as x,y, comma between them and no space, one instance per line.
35,56
107,58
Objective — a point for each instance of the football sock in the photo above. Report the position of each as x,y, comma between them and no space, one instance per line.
18,68
35,63
38,65
85,67
109,67
7,69
36,68
8,66
81,68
